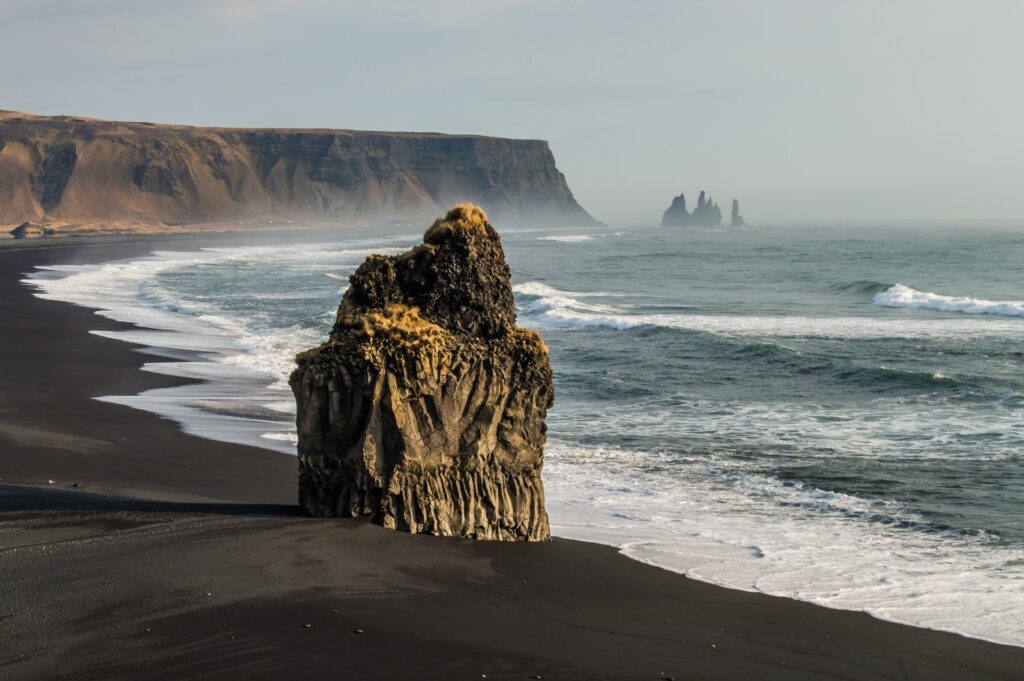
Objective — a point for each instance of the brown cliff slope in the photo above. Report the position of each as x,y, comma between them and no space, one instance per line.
425,409
70,169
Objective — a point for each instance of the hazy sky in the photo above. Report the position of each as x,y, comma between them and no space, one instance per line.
805,110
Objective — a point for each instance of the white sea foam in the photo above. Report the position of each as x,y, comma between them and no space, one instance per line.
901,295
539,289
113,288
560,308
223,410
247,364
551,301
893,429
283,407
290,437
715,521
711,519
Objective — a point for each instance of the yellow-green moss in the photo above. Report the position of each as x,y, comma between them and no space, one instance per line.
392,328
462,218
531,340
397,339
401,324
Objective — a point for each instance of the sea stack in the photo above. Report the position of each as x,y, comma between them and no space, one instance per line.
676,214
706,214
426,407
737,219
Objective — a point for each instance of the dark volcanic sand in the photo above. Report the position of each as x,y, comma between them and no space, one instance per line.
101,587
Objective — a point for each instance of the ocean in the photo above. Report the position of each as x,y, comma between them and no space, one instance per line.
829,414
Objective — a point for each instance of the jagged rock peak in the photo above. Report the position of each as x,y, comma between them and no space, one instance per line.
679,204
425,409
457,278
676,214
706,214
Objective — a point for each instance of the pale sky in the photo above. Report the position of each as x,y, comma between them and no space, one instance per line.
806,110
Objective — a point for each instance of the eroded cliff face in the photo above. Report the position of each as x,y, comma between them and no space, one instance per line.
426,407
74,169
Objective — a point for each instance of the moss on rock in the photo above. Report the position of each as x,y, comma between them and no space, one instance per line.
425,409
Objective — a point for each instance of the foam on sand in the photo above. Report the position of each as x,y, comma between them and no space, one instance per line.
687,493
712,520
243,365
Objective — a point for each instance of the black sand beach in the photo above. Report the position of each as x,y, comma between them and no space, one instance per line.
155,554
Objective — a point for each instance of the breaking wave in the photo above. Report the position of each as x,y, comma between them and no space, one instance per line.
901,295
545,305
707,517
796,488
859,287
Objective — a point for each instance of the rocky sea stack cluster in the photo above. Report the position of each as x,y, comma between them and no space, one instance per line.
425,409
706,214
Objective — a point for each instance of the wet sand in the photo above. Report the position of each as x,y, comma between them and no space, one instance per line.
156,554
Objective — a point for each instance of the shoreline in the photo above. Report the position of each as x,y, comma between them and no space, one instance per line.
199,232
62,232
56,431
39,449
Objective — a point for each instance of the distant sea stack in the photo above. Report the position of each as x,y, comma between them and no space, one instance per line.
737,219
63,170
425,409
706,214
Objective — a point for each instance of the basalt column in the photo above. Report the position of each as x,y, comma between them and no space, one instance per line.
425,409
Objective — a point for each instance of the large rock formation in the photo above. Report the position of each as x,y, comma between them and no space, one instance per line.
706,214
676,215
77,170
425,409
31,230
736,219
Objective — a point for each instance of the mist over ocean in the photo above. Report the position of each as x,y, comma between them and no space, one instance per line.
834,416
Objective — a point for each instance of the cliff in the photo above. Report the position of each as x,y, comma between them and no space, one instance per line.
67,170
706,214
425,408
